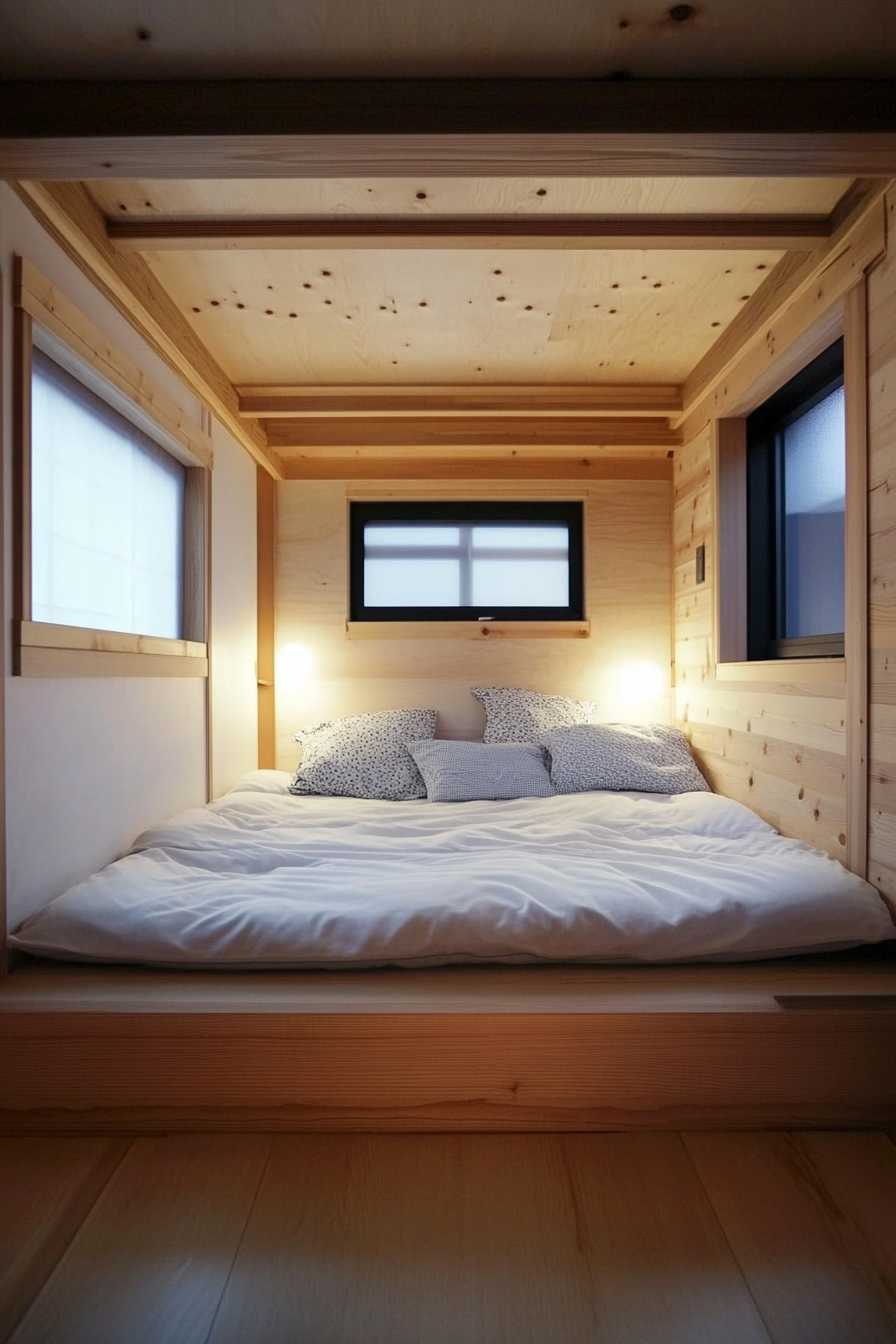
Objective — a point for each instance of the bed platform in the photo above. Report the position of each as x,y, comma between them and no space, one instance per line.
799,1041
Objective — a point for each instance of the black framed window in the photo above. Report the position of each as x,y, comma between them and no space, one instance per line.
796,494
463,561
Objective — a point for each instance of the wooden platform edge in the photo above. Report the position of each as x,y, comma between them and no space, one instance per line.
128,1073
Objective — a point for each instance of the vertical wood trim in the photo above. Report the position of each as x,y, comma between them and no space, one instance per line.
195,556
21,409
197,583
209,623
855,378
7,624
266,528
729,538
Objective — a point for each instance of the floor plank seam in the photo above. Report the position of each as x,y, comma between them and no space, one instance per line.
242,1236
740,1269
127,1148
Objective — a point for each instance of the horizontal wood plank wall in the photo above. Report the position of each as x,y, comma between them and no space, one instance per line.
627,597
778,746
882,588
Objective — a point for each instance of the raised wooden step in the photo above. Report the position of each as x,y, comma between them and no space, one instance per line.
778,1043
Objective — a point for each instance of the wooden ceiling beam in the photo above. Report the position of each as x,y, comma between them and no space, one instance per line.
491,233
530,401
69,129
423,433
482,466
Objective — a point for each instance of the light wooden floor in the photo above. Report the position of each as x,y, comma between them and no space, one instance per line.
661,1238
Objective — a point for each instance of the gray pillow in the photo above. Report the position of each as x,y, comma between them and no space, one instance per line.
364,755
647,758
457,772
514,715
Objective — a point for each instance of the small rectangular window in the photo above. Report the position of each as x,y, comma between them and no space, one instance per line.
796,495
107,514
466,561
111,502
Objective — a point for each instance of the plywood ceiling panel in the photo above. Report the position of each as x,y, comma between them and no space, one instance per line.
397,198
402,39
461,316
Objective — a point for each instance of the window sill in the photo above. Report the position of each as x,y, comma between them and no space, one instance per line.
468,630
41,649
785,669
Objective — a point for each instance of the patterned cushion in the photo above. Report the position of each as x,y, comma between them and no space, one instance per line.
513,715
457,772
364,755
647,758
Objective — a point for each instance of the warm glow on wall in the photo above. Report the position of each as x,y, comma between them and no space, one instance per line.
295,666
640,681
633,693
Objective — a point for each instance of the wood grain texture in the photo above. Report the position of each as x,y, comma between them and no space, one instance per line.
512,400
817,1254
729,541
447,433
12,453
799,286
460,317
152,1259
609,1239
48,635
856,636
71,218
266,532
495,630
41,661
881,292
489,234
626,594
46,986
197,561
523,1071
511,469
448,127
779,747
449,197
49,307
49,1186
483,1238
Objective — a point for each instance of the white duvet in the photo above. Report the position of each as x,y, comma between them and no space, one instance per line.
262,879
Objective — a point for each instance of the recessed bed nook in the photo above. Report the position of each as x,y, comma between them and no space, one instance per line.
509,882
641,875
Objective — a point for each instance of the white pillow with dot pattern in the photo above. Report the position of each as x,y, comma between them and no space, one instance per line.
515,715
622,757
364,755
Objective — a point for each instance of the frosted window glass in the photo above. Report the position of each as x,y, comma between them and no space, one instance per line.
521,539
814,500
447,565
417,583
521,583
106,514
376,536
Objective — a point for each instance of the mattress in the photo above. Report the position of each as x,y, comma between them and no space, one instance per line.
262,879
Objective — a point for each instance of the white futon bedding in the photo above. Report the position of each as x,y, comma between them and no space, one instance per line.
263,879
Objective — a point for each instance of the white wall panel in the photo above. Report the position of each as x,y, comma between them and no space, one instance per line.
92,762
234,689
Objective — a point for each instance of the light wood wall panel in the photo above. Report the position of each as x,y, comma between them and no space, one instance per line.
627,602
777,739
778,746
882,568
